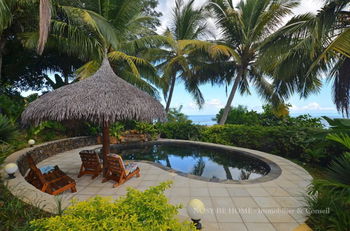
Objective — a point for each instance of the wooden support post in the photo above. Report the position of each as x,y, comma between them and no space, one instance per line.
105,146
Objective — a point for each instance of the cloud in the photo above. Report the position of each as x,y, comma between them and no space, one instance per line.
209,105
313,106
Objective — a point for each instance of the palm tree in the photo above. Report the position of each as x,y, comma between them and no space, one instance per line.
310,45
87,30
244,30
174,57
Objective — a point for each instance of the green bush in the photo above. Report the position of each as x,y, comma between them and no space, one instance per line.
333,193
146,211
14,213
183,130
46,131
240,115
269,117
147,128
292,142
7,129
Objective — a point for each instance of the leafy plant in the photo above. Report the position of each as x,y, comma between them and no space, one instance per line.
147,128
269,117
137,211
184,130
175,115
14,213
47,130
332,193
116,129
7,129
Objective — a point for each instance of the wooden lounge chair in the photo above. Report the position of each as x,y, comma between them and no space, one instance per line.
52,181
119,172
90,163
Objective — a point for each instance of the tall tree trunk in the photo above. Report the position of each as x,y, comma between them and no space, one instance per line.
228,172
230,98
172,86
44,24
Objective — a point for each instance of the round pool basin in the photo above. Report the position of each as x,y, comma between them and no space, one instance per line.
200,160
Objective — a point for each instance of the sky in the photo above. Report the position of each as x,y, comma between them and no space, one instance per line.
215,96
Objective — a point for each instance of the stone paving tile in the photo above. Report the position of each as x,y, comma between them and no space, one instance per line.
266,202
238,192
219,191
285,226
257,192
180,192
199,191
276,215
253,215
277,191
288,202
260,227
244,202
230,226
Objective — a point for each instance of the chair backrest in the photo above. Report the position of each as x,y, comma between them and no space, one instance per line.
115,163
35,169
89,159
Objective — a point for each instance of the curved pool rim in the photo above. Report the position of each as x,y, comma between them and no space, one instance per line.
275,170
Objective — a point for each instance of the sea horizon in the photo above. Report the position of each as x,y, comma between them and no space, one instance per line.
208,119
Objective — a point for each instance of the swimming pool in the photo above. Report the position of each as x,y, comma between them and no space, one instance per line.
210,163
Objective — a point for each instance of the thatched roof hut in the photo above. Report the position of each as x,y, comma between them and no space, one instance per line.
103,98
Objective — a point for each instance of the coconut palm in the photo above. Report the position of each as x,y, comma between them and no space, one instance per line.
87,30
311,46
174,57
244,31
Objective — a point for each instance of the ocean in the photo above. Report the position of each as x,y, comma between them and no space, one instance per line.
209,120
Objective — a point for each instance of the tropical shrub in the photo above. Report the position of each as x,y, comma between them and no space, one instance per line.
306,144
7,129
332,194
48,130
116,129
184,130
147,128
16,214
269,117
148,210
240,115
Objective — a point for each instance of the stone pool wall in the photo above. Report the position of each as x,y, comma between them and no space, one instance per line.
44,151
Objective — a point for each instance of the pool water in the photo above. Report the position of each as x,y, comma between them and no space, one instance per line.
200,161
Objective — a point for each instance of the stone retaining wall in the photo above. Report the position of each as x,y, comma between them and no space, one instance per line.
41,152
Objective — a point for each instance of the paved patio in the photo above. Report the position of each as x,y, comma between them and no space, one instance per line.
273,205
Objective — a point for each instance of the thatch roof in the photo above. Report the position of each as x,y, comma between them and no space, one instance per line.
102,97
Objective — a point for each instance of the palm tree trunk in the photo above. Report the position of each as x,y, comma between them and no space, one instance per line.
228,172
172,86
230,99
44,24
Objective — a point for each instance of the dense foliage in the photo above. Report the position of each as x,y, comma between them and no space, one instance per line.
269,117
148,210
7,129
333,193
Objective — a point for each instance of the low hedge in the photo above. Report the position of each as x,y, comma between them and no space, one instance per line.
306,144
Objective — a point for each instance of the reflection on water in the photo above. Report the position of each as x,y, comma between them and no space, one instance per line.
205,162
